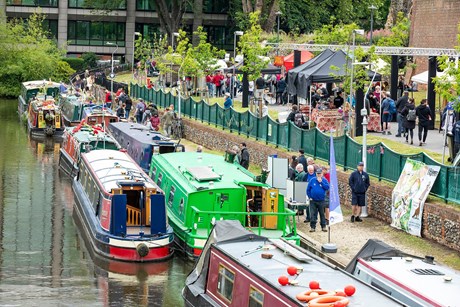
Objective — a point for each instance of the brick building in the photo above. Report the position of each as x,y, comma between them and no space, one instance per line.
434,24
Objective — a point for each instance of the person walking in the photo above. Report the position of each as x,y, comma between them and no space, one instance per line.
316,192
410,118
400,104
280,88
423,113
167,120
140,108
121,111
386,111
292,168
244,156
129,106
359,183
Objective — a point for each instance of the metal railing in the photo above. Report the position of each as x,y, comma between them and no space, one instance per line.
382,162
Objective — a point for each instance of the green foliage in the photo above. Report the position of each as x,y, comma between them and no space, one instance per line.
339,34
399,36
26,54
204,53
90,59
78,64
63,71
252,50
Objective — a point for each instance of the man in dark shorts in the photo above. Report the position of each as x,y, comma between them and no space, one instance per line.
359,183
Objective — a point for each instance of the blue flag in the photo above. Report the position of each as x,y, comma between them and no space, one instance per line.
335,212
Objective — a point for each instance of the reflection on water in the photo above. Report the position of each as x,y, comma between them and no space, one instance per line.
43,260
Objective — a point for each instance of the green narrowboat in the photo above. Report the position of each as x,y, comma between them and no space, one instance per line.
201,188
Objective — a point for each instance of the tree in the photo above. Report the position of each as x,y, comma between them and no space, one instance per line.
204,53
267,12
170,12
26,54
339,34
90,59
252,50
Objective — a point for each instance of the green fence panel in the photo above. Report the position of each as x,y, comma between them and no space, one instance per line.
272,131
150,94
213,114
199,108
322,146
373,160
244,123
309,141
187,107
206,110
233,121
339,148
392,164
262,128
283,135
353,153
453,184
295,138
252,125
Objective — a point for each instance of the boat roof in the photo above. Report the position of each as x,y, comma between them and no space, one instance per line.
29,85
199,169
246,249
85,135
141,133
97,110
425,280
112,167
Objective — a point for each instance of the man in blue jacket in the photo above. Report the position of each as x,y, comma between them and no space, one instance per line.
316,192
359,183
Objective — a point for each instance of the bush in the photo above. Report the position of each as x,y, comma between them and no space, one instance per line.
90,59
77,64
62,72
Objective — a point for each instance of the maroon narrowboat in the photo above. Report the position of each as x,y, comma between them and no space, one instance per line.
239,268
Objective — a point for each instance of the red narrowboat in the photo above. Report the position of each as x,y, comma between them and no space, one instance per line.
44,118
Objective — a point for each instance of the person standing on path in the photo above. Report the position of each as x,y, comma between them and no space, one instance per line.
300,174
280,88
302,159
386,118
167,121
423,113
456,134
140,108
359,183
400,104
244,156
409,120
316,192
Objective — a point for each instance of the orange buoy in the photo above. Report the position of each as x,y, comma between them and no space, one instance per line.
328,301
307,296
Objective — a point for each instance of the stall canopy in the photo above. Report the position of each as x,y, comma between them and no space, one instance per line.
270,69
328,69
422,78
304,57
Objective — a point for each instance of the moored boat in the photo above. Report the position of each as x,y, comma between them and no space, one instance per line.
31,90
44,118
415,281
76,108
80,139
142,143
202,188
238,268
119,209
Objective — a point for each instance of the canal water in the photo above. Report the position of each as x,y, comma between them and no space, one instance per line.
43,259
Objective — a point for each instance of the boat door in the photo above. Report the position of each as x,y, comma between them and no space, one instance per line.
137,203
260,198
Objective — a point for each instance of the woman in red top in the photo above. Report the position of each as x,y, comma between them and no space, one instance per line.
218,82
155,121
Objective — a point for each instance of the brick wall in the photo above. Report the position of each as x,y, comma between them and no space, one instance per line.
433,25
440,223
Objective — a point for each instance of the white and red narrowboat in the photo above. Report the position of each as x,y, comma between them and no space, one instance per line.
120,211
415,281
239,268
44,117
79,139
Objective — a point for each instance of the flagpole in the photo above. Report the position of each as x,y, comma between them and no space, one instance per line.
335,212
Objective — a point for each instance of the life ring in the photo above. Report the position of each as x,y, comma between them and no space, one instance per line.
307,296
328,301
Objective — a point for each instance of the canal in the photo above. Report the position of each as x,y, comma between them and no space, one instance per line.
43,259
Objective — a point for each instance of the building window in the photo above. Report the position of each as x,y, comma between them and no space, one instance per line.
148,31
51,26
215,6
96,33
81,4
220,37
145,5
40,3
225,282
256,298
171,196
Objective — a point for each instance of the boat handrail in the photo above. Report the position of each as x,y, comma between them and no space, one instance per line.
216,215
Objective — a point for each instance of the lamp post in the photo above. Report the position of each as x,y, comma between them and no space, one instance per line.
175,34
232,90
112,75
278,14
359,31
372,8
134,45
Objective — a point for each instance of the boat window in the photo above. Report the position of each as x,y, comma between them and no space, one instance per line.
154,172
160,177
256,298
181,206
225,282
171,196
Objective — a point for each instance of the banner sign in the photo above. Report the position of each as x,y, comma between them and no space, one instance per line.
409,195
335,211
